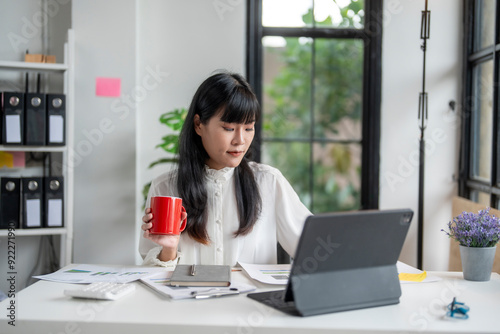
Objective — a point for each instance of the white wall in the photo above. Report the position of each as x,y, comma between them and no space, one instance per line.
187,41
105,127
401,85
34,25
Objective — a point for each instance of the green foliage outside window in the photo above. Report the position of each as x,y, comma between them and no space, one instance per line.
173,119
317,95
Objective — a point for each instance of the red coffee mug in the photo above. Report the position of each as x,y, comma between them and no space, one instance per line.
167,215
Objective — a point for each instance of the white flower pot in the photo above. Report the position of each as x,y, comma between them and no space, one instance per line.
477,262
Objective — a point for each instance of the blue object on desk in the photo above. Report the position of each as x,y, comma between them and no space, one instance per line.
457,310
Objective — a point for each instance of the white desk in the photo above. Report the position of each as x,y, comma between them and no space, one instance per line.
43,308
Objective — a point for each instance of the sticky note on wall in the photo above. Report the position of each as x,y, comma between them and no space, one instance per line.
110,87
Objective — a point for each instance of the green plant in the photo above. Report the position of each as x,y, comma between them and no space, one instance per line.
173,119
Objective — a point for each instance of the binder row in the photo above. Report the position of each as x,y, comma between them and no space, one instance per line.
33,119
32,202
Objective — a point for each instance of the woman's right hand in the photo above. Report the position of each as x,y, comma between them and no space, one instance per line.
168,242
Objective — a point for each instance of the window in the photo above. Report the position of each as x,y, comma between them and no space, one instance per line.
315,67
479,178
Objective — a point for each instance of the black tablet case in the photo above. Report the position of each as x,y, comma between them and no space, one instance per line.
344,261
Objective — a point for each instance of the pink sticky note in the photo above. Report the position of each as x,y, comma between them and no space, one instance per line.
108,87
19,159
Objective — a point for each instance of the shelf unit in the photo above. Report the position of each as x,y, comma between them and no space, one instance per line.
67,70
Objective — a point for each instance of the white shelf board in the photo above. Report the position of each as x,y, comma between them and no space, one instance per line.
19,65
35,231
13,148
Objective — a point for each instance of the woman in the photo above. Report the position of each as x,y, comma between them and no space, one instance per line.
237,210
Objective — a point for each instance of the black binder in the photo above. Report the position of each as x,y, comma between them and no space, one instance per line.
54,201
35,119
32,205
10,202
12,118
56,119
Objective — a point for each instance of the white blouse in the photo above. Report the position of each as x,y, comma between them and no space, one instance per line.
282,218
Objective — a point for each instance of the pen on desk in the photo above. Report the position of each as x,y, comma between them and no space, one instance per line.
214,293
193,270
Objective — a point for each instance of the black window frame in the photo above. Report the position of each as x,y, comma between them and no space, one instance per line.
371,35
467,184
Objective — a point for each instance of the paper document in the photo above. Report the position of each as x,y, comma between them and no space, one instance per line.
84,273
279,273
268,273
160,282
409,274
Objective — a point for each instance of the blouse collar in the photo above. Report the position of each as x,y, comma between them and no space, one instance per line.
219,174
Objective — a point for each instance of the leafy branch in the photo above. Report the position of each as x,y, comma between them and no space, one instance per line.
173,119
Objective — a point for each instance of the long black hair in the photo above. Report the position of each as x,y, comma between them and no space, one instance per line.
229,95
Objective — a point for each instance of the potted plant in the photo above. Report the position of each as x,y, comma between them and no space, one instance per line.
478,235
174,119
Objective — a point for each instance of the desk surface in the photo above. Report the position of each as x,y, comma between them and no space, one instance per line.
43,308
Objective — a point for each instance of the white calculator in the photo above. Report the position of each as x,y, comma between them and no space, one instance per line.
102,290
